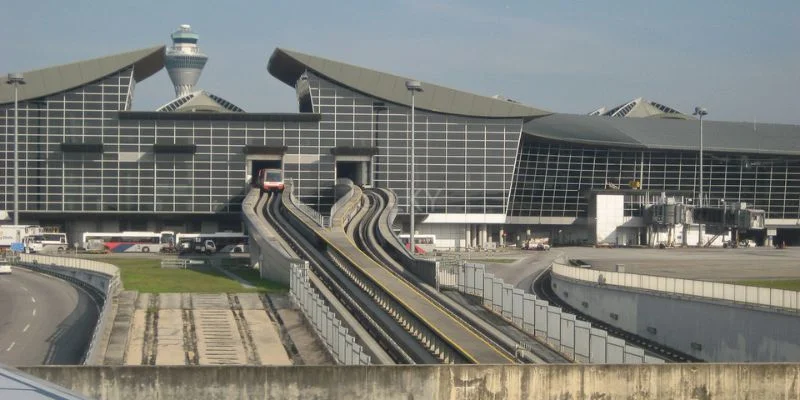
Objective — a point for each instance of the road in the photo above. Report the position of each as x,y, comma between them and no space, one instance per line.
43,320
712,264
521,272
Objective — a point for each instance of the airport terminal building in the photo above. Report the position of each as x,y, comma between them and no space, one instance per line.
487,170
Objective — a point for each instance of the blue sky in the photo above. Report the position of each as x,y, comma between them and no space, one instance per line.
740,59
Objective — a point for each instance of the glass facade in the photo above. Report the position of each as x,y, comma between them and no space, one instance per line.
50,180
127,176
553,177
76,155
463,165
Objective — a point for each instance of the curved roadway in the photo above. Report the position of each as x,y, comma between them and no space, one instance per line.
43,320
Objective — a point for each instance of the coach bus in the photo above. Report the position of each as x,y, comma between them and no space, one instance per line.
129,242
46,242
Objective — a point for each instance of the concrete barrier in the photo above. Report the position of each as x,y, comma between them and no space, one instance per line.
661,381
708,330
266,253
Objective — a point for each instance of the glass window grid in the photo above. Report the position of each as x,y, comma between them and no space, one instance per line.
552,178
463,164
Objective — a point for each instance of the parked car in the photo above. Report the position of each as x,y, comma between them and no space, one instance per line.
5,269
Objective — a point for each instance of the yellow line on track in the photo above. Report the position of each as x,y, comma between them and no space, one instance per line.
408,308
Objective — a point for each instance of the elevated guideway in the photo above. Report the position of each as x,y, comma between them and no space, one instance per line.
456,340
341,294
276,250
373,233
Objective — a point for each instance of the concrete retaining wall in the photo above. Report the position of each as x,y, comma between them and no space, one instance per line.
663,381
96,280
711,331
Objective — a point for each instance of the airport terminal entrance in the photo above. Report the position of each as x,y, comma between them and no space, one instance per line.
257,165
261,157
356,168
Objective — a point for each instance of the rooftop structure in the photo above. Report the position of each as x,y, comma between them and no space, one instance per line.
641,108
200,100
184,61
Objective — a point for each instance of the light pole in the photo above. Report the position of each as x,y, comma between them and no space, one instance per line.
700,112
16,79
413,87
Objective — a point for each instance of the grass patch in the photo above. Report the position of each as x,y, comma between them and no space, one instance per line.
146,275
254,277
785,284
491,260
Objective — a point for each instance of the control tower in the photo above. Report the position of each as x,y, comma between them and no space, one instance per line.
184,61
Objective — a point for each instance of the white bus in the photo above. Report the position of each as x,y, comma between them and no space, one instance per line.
129,242
46,242
218,242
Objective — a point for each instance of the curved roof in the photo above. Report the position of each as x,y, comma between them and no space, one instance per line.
663,133
288,65
200,101
51,80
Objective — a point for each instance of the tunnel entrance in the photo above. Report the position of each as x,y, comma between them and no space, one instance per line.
259,164
356,171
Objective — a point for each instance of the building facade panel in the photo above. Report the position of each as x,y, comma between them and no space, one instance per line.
463,165
552,178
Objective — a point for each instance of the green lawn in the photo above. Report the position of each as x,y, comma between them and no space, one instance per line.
146,275
786,284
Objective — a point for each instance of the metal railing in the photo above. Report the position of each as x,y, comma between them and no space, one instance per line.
319,219
576,340
779,299
52,265
174,263
341,344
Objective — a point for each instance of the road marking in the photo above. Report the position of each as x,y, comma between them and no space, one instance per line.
26,328
34,312
11,347
33,299
24,288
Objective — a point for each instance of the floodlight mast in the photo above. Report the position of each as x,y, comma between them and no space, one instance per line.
16,79
700,112
413,87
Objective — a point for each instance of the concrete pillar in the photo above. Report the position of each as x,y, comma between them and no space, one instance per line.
685,241
468,231
502,239
473,236
483,235
364,173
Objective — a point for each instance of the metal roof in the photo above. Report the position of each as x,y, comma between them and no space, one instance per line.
288,65
675,134
641,108
199,100
51,80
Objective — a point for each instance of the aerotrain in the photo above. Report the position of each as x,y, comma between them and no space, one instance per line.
270,179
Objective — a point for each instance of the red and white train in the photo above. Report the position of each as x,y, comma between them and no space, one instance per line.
270,179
